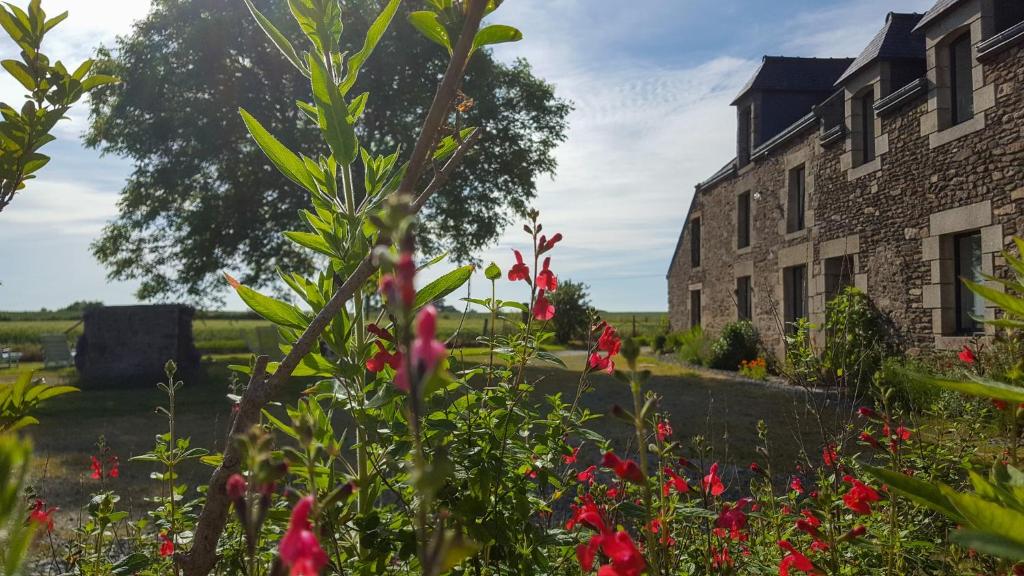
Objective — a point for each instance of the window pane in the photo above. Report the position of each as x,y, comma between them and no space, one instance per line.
743,298
695,308
695,243
867,115
795,208
961,83
743,220
968,267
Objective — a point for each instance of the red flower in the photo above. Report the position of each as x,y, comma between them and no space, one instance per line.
732,519
967,355
664,430
546,279
588,515
809,523
712,482
543,309
720,558
609,341
379,332
166,545
829,456
611,493
903,433
519,270
571,458
674,482
625,469
236,487
383,358
97,469
426,352
399,286
866,412
796,485
598,362
860,496
999,404
545,245
585,552
794,560
531,473
299,549
625,557
42,515
587,475
755,467
869,439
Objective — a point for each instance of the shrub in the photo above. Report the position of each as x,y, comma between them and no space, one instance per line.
738,342
858,338
659,343
802,364
694,347
573,306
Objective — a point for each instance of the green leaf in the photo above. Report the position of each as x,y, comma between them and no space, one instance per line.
428,25
443,286
277,38
313,242
20,72
986,516
924,493
97,80
284,159
332,114
1008,302
357,105
373,36
278,312
495,34
54,21
989,543
976,387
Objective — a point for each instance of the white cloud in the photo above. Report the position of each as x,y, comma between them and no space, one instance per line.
843,30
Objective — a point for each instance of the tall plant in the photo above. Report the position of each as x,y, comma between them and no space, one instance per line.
357,228
52,90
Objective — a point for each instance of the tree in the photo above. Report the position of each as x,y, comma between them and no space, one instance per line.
202,198
572,311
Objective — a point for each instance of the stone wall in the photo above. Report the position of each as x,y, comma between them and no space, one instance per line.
129,345
890,218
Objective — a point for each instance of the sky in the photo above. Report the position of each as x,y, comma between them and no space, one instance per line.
651,82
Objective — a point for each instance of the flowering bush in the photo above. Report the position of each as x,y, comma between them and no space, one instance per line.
756,369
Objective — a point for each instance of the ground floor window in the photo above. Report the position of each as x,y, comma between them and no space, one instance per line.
794,285
744,293
838,275
694,308
967,263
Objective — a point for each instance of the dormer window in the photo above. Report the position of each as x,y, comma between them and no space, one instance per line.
866,130
961,82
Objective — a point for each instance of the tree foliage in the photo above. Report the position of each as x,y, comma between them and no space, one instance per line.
201,197
572,303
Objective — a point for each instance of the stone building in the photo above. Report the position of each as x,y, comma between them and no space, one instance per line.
898,171
129,345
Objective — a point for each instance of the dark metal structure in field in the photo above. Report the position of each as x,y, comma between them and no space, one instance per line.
129,345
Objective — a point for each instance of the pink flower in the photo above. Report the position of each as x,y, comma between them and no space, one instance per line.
299,548
400,285
426,352
609,341
543,309
967,355
236,487
546,279
712,482
519,270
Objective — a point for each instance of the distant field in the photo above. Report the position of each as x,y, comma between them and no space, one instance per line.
220,335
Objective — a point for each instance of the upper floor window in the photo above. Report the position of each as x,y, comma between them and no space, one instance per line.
695,243
961,82
866,105
745,134
796,205
743,220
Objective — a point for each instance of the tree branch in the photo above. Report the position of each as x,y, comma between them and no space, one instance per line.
201,559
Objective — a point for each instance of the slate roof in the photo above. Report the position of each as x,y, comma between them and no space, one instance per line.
935,11
895,41
783,73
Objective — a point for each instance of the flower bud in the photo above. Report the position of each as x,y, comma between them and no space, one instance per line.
236,487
